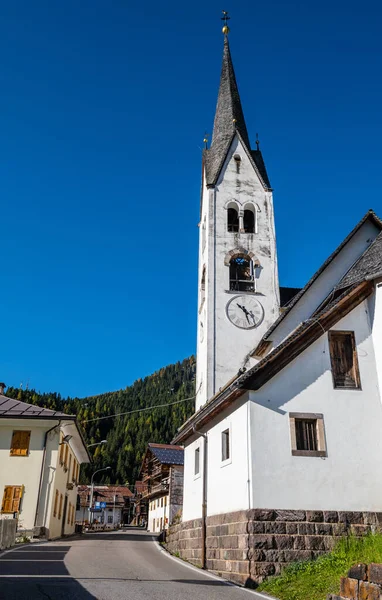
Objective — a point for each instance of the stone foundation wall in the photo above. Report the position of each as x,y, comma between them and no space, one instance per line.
364,582
7,533
248,546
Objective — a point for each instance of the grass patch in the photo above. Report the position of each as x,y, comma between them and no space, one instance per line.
313,580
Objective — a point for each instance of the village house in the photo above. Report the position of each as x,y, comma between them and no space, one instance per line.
110,508
140,508
41,451
162,475
283,452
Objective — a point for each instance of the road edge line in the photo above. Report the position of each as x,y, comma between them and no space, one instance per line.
207,573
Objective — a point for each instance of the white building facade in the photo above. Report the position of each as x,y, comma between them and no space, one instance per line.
285,438
41,451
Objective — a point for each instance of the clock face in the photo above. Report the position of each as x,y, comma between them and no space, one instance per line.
245,311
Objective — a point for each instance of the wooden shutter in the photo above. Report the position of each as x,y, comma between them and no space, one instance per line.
55,504
20,443
60,508
12,498
344,361
69,512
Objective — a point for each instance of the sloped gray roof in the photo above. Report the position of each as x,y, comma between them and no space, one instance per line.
168,454
369,215
370,263
229,119
9,407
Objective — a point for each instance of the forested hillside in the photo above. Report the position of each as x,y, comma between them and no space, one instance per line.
127,436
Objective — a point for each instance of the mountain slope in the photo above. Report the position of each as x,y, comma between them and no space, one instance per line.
127,435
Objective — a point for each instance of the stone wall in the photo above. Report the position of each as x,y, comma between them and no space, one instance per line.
7,533
248,546
364,582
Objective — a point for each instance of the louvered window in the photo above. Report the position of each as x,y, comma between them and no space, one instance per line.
306,434
12,498
344,360
20,443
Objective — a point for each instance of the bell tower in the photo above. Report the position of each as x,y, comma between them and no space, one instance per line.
238,296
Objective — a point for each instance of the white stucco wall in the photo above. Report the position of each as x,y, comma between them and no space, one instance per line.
158,512
228,488
348,478
225,347
320,289
22,470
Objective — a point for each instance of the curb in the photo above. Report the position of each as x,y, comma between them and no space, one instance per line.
184,563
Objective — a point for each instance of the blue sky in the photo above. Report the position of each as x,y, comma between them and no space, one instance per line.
103,108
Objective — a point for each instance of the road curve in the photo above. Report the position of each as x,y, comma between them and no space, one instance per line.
126,565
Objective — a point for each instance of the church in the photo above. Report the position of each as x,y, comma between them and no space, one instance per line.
283,453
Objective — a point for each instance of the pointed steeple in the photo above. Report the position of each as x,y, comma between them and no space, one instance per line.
229,113
229,119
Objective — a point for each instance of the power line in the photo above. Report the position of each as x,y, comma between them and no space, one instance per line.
140,410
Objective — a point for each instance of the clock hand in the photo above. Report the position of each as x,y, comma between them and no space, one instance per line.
244,310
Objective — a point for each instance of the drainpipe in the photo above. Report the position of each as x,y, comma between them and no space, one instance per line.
204,496
42,469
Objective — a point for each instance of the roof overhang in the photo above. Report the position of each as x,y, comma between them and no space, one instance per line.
304,335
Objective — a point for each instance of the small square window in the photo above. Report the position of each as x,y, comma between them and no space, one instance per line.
307,434
197,461
225,445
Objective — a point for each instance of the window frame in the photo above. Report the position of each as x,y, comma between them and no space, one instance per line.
21,451
228,460
338,333
320,433
242,285
12,500
197,454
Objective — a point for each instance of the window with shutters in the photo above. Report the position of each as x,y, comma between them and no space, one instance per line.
20,443
344,360
307,434
72,522
60,507
12,498
55,504
62,450
69,512
66,457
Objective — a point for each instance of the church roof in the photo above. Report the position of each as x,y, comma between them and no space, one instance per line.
369,264
229,120
370,215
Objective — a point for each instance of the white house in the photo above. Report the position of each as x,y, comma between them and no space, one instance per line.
41,451
285,440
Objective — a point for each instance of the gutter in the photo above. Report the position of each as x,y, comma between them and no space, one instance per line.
204,496
42,469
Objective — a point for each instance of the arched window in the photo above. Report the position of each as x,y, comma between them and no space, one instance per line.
233,220
241,274
249,221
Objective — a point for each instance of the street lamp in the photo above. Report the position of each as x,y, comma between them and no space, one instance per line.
91,490
97,443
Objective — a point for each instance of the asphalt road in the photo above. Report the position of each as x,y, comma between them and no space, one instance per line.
107,566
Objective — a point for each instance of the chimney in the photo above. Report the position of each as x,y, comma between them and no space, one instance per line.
2,388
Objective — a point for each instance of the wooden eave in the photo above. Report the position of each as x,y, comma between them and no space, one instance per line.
307,333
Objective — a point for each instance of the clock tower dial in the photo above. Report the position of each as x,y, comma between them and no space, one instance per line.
245,311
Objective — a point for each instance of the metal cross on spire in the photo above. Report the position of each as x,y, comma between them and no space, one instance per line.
225,18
